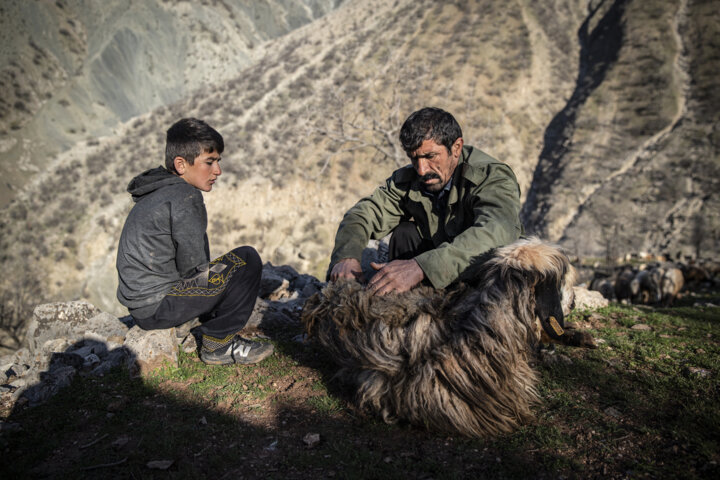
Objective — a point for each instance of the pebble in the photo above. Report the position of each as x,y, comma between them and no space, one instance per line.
311,439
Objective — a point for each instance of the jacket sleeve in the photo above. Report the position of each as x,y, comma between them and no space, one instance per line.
189,225
372,217
496,208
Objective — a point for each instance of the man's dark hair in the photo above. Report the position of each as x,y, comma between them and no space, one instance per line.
188,138
429,123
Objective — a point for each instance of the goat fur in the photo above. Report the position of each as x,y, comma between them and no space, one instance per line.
455,360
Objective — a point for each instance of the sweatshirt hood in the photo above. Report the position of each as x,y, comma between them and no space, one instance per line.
151,180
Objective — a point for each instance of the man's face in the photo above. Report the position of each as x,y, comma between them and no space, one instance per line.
204,171
434,165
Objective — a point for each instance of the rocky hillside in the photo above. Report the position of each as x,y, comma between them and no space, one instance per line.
603,109
70,70
631,161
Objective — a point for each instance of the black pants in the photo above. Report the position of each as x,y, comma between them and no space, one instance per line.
223,297
406,243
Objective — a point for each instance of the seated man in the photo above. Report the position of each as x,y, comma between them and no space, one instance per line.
451,205
163,261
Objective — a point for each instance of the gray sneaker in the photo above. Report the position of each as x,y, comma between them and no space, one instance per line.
239,350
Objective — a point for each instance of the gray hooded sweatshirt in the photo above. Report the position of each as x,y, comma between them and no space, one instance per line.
163,240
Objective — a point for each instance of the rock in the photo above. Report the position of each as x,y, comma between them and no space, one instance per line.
189,344
50,384
553,358
282,291
91,361
310,289
588,299
269,282
612,412
17,370
120,442
268,314
65,359
160,464
641,327
697,372
115,358
10,427
152,348
73,320
311,439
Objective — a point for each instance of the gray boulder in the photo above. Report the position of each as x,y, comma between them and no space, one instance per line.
76,319
151,349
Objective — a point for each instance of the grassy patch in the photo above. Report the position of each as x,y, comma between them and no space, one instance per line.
644,404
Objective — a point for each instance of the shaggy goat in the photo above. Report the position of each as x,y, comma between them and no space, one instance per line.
670,285
456,360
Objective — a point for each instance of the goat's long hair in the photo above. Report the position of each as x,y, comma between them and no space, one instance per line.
455,360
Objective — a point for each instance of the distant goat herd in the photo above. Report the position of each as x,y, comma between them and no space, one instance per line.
658,283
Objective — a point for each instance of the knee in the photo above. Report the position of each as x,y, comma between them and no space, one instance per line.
250,256
405,230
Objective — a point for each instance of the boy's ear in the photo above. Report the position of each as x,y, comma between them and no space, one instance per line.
180,165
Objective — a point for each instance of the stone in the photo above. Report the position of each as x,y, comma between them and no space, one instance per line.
120,442
151,349
269,282
697,372
91,361
589,299
17,370
282,291
160,464
268,314
50,384
189,344
115,358
7,427
69,320
311,439
612,412
65,359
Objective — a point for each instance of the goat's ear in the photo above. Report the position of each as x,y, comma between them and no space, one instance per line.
548,307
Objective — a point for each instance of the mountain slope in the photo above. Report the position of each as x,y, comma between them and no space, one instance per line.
601,109
73,69
631,162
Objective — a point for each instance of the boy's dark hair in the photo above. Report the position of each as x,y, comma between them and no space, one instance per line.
429,123
188,138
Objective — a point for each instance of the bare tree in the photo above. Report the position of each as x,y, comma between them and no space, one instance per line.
366,112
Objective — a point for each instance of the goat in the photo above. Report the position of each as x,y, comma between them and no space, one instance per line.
647,285
455,360
625,289
670,285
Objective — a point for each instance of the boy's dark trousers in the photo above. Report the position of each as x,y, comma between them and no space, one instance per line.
223,296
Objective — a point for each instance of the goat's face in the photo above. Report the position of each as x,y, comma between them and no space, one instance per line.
551,276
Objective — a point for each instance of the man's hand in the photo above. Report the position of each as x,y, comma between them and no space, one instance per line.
347,268
396,276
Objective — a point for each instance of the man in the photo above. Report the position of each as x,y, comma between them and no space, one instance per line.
163,261
453,204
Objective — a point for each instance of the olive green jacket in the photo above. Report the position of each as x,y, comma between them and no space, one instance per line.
482,213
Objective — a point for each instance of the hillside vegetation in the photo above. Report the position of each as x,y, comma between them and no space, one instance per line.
604,110
644,404
71,70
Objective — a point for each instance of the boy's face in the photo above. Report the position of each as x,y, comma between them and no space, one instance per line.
204,171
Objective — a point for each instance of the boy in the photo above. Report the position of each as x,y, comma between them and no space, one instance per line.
163,261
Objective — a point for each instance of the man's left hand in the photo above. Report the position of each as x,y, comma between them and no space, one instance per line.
396,276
